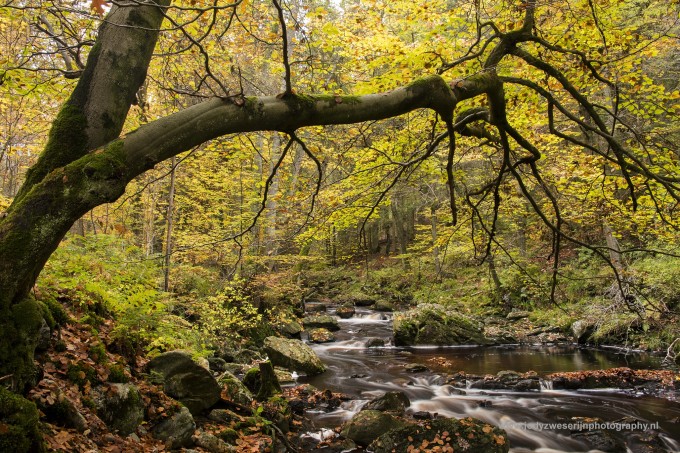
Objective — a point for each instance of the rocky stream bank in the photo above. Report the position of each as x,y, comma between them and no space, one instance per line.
89,398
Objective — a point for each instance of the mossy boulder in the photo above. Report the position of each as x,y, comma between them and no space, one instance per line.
290,329
383,305
366,426
321,336
252,380
120,406
433,324
19,429
315,307
211,443
582,330
234,390
468,434
362,300
345,311
293,355
321,322
390,402
185,380
63,412
176,430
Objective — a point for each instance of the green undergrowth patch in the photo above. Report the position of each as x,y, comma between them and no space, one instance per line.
104,276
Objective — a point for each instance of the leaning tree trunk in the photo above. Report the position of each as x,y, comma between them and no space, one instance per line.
54,196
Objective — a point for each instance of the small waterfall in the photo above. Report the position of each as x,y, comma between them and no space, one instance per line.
546,385
321,436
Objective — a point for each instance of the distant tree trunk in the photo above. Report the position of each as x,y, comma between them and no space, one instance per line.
334,248
399,230
169,224
295,169
258,240
613,246
522,224
435,246
498,286
272,216
93,223
78,227
149,217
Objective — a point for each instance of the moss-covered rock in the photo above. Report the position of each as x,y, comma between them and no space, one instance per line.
290,329
345,311
252,380
582,330
63,412
321,322
176,430
468,434
19,428
315,307
321,336
375,343
234,390
368,425
383,305
390,402
360,299
185,380
293,355
211,443
433,324
120,406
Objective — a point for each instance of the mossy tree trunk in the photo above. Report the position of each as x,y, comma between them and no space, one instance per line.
69,179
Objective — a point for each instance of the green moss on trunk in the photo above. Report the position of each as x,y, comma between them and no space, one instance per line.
67,142
19,425
19,326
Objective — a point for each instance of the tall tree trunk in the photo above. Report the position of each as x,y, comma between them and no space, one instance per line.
399,230
613,247
169,224
272,205
435,246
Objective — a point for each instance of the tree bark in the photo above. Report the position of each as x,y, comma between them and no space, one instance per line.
69,178
435,245
169,224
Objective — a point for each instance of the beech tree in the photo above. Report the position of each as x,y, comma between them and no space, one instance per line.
87,162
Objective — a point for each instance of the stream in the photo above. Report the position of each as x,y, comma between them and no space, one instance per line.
365,373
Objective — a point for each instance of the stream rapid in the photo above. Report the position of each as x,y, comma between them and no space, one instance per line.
529,418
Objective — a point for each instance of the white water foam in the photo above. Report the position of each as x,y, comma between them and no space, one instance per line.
546,385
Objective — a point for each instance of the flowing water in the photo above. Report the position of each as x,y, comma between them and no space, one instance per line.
365,373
